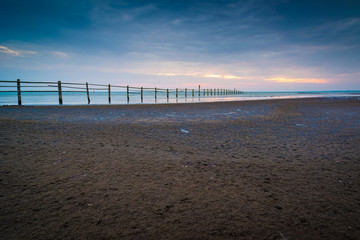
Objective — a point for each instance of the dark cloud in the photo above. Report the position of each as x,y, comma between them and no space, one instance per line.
28,20
265,34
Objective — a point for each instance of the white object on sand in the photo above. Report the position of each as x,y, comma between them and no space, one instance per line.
184,130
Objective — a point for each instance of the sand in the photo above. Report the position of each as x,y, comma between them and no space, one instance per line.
275,169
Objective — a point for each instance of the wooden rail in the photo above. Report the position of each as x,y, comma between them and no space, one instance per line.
59,87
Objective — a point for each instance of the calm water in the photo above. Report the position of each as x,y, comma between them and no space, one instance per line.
80,98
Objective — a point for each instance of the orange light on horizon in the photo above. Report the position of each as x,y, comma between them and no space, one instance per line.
211,76
297,80
232,77
201,75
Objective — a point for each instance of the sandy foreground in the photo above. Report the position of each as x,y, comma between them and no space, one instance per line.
275,169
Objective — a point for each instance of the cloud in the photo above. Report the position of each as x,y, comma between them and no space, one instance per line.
296,80
342,32
9,51
208,75
15,53
340,25
60,54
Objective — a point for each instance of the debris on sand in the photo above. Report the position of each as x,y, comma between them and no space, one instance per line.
184,130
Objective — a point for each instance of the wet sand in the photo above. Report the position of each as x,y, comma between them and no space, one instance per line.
275,169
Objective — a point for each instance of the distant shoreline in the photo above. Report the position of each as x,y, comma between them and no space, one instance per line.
119,98
128,113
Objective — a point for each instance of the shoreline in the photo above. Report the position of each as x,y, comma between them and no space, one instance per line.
180,103
207,99
161,112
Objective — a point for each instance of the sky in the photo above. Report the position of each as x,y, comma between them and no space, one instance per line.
250,45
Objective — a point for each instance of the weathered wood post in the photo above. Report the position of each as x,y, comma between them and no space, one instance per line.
109,93
207,92
192,92
127,94
211,92
87,92
218,92
155,94
142,94
199,90
185,92
177,93
18,91
204,91
60,93
167,94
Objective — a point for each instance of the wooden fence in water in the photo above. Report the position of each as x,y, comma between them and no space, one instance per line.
61,87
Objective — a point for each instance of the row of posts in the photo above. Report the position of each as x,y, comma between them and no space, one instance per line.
206,92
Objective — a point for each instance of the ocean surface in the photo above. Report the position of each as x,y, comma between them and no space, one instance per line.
101,97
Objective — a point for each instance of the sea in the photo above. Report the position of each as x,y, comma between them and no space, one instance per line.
101,97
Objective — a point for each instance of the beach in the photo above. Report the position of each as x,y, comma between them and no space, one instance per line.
267,169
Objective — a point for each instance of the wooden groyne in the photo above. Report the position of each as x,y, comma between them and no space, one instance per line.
59,87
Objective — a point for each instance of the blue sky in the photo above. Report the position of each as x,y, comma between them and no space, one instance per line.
250,45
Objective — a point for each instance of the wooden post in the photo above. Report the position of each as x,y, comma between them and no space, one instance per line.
87,92
218,91
193,93
127,94
18,92
167,94
60,93
155,94
142,94
185,92
177,93
109,93
207,92
211,92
